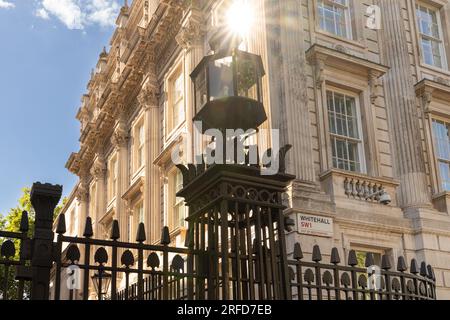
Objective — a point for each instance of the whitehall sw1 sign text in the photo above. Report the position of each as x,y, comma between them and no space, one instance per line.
315,225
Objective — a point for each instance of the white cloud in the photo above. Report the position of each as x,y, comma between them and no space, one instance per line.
42,13
103,12
77,14
6,5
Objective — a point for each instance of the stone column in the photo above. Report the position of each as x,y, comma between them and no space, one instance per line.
191,38
409,163
148,98
98,171
82,195
120,141
294,119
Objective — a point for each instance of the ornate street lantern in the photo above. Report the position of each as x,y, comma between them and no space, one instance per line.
101,280
228,90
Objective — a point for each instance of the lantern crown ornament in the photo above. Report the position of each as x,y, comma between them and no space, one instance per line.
228,86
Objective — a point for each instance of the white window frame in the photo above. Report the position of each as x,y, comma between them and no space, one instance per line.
113,172
171,124
347,16
175,203
360,141
439,160
139,146
92,200
441,40
130,227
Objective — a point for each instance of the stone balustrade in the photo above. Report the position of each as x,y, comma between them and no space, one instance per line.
343,185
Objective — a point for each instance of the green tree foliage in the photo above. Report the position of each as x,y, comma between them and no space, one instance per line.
11,222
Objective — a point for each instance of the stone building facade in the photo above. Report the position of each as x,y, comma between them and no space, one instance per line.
359,88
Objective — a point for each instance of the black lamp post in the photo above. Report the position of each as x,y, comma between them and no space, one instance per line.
228,89
101,281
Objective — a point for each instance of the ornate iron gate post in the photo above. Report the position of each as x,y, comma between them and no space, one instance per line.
237,227
44,198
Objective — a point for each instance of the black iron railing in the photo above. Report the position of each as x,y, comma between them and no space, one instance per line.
161,270
13,271
319,281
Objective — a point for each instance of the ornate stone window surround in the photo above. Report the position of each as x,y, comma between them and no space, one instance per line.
356,25
105,223
171,129
434,99
136,144
113,170
164,161
339,70
444,25
93,199
133,197
172,201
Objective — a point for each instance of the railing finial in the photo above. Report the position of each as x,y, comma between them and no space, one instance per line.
165,237
140,236
88,232
115,231
24,225
352,259
335,258
401,264
385,262
61,227
316,255
298,253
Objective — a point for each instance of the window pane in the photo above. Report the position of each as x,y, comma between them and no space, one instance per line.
441,134
333,17
345,141
130,228
141,213
141,135
431,41
177,101
445,175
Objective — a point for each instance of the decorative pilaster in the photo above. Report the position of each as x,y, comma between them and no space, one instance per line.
191,38
295,113
409,163
98,171
82,195
148,99
120,141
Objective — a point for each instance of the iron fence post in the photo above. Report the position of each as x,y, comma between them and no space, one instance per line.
44,198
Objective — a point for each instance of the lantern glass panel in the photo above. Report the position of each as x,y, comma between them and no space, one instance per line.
201,91
221,84
247,78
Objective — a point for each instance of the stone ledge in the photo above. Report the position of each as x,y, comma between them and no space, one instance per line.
441,201
344,185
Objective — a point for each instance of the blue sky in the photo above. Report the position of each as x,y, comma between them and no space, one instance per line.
47,50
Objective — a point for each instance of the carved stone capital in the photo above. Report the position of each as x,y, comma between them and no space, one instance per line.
374,84
319,66
149,95
427,97
191,34
82,193
120,137
98,170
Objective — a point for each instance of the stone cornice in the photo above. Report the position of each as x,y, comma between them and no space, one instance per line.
192,32
321,57
428,90
135,51
149,95
98,169
120,136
